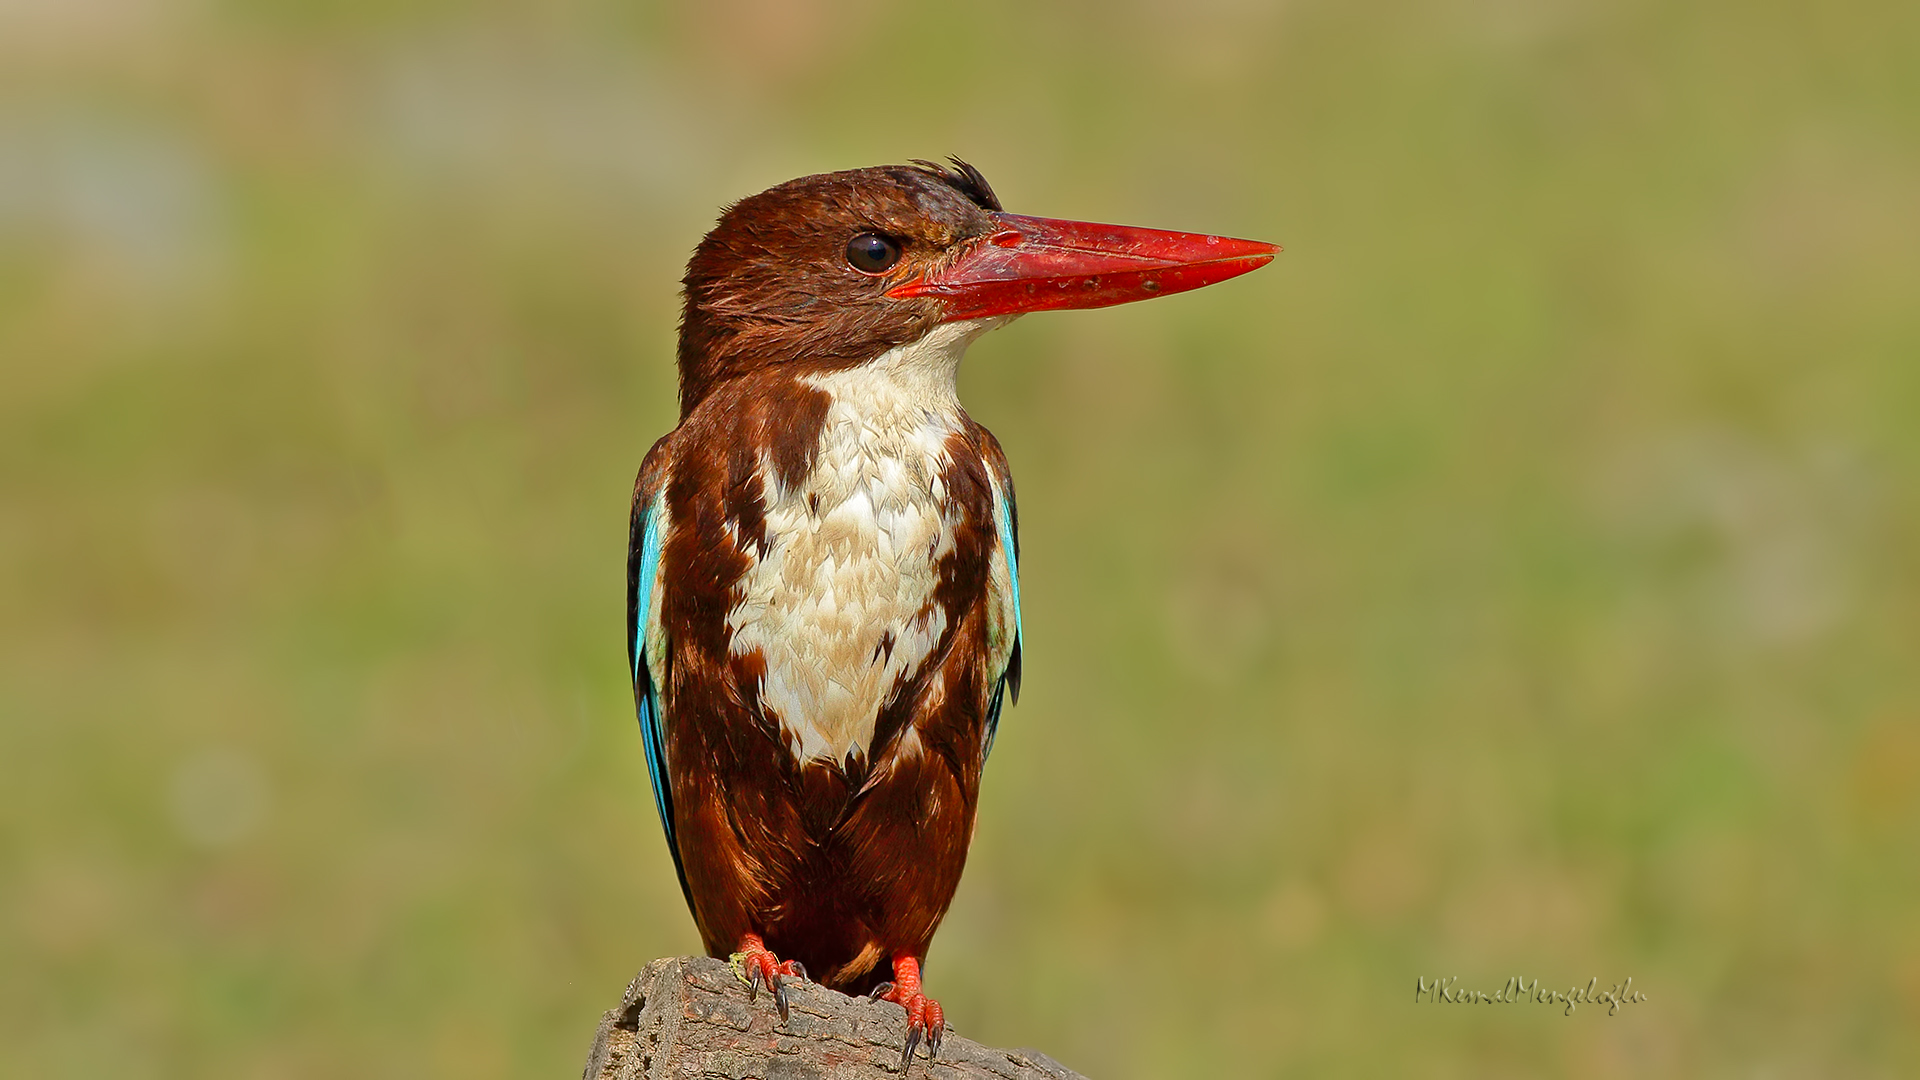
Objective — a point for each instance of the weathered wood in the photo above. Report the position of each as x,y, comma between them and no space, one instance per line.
688,1018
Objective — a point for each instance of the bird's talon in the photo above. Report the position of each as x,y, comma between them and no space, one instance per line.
907,1049
760,968
925,1020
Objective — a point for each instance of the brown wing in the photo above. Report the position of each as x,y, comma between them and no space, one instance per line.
739,827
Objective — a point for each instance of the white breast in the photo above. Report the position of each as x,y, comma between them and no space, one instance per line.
840,606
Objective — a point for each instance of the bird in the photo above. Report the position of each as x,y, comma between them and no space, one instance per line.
823,571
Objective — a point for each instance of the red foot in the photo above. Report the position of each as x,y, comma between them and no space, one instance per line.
924,1018
760,968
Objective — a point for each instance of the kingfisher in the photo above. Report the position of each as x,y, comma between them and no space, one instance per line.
823,569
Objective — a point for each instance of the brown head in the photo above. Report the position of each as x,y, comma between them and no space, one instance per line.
830,271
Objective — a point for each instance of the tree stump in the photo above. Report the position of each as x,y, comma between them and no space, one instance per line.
688,1018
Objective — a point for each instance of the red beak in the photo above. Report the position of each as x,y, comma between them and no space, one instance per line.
1043,264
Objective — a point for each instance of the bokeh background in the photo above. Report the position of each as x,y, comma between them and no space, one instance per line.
1521,576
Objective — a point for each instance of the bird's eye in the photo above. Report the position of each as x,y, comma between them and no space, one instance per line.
871,253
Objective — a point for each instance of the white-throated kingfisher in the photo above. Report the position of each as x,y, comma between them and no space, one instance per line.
823,574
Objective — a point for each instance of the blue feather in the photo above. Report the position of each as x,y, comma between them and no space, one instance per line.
1007,546
1013,557
647,690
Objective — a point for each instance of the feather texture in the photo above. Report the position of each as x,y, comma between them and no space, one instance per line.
647,647
824,624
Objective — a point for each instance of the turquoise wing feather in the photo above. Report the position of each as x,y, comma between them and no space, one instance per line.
1007,681
646,638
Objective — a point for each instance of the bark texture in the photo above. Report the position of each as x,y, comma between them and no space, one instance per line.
688,1018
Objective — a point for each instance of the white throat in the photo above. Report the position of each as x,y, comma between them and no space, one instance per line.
924,369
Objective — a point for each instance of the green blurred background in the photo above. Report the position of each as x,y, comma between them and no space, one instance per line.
1521,576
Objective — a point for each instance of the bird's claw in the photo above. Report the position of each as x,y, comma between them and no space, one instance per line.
759,967
925,1020
907,1048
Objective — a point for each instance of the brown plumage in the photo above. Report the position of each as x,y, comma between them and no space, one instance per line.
822,579
838,864
770,285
